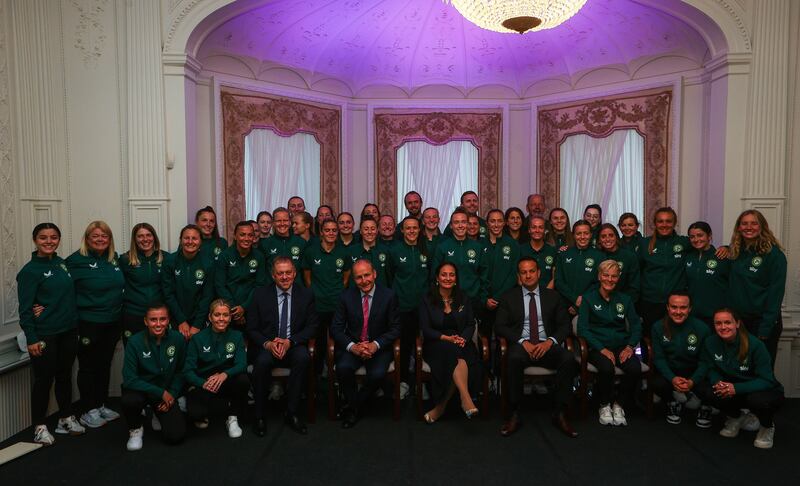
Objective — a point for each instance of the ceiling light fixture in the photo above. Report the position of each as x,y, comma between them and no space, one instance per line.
517,15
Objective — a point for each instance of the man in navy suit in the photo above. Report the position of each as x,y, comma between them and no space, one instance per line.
280,321
364,327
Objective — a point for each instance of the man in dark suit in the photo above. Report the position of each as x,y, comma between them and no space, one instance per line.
538,344
366,323
281,320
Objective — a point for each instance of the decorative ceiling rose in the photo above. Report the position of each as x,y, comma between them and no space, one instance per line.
517,15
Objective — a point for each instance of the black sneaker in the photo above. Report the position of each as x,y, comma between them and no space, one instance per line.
704,417
674,410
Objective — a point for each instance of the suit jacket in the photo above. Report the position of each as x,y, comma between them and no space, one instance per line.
263,315
384,317
431,320
510,314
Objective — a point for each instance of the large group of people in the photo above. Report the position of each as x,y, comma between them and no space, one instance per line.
211,321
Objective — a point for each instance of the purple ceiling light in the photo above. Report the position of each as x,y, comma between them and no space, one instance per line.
520,16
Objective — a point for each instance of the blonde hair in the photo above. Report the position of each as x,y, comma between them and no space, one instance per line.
607,265
765,241
102,226
133,254
666,209
219,303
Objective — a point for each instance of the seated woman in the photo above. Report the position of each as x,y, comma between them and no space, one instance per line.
608,321
152,375
739,375
447,323
677,341
215,369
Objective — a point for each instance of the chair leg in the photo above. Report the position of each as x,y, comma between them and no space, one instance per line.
583,390
331,398
311,398
396,381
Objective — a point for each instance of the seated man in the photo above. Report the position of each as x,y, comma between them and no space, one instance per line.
280,321
535,323
364,327
152,375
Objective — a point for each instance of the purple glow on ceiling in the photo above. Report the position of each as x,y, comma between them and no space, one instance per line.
412,43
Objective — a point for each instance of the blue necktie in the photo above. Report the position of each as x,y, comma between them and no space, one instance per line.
284,316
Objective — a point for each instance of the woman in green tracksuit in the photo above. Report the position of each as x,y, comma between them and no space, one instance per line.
215,369
536,248
152,374
628,225
213,243
758,278
141,265
99,288
501,253
283,242
706,275
188,284
369,247
50,332
576,268
559,235
608,243
239,271
740,376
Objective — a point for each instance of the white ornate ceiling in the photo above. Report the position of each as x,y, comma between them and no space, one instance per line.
358,45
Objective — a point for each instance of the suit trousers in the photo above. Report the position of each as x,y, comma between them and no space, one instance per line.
346,365
556,358
173,422
297,359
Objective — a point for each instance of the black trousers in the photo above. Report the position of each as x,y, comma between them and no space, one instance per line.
173,423
131,325
95,353
763,404
324,320
233,392
662,387
346,365
297,359
556,358
54,364
650,313
604,382
771,342
409,330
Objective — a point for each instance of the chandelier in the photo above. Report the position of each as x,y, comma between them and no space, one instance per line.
517,15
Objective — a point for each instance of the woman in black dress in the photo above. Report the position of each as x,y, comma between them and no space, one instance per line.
447,323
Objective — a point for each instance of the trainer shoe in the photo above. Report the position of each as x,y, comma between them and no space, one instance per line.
135,439
42,436
155,423
693,403
750,423
765,437
703,417
619,415
732,426
201,424
108,414
606,416
69,426
234,431
93,419
674,410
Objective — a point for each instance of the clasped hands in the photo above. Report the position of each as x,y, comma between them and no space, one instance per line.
624,355
364,349
682,384
455,339
167,401
724,389
215,381
536,351
278,347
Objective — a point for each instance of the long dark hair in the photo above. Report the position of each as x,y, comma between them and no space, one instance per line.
435,297
208,209
420,246
744,336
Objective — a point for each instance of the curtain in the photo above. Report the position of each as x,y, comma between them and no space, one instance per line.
607,171
440,173
276,168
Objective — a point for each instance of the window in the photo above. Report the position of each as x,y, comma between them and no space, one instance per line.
440,173
277,167
607,171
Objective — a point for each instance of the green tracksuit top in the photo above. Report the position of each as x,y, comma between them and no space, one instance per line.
153,367
502,258
142,283
756,286
275,246
707,280
665,269
752,374
611,324
576,271
188,286
99,286
47,282
545,258
484,231
408,269
681,351
430,245
633,244
467,255
236,277
327,273
210,248
212,352
630,276
378,255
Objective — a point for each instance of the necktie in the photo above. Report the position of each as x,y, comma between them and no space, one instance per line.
365,309
533,319
284,324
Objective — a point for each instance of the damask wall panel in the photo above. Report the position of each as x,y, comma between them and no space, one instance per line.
242,112
392,130
647,112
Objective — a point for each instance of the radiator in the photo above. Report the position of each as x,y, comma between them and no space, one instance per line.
15,401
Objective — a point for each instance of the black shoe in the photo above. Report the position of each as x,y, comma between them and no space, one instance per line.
294,423
260,427
348,418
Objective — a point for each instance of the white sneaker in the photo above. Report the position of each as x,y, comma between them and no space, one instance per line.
619,415
275,392
606,416
135,439
93,419
674,411
765,437
732,426
234,431
201,424
42,436
155,423
108,414
694,402
69,426
403,390
750,423
703,417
